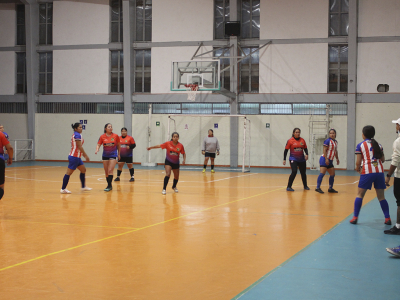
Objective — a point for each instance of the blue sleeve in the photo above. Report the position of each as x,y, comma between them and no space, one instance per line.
77,136
326,142
358,148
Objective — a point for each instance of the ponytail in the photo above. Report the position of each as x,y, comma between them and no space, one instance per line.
74,126
369,132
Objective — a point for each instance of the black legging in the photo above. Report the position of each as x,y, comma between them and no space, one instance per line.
302,166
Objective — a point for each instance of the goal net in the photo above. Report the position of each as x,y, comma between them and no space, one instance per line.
23,149
193,129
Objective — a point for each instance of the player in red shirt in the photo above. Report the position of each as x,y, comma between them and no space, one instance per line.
4,143
174,149
74,159
111,152
297,159
127,145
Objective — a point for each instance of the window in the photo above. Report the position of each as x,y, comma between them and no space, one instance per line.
338,17
250,19
292,108
276,109
182,108
79,108
225,76
46,23
221,15
249,71
338,68
142,71
21,72
143,15
21,39
46,72
116,21
13,108
117,72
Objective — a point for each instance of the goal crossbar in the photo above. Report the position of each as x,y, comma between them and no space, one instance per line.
247,124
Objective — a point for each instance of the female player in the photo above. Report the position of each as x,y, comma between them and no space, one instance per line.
174,149
8,138
370,153
127,145
326,162
208,149
297,159
111,152
4,143
74,159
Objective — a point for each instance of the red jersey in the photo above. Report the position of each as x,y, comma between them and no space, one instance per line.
110,144
296,148
173,151
3,142
125,143
370,163
74,149
331,144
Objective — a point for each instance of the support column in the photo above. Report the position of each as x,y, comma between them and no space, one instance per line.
128,52
32,64
234,121
352,83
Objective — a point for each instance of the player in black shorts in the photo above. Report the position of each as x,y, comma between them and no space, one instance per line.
4,143
127,145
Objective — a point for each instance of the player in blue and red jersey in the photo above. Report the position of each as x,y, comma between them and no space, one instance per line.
7,137
297,159
370,153
127,145
326,162
111,152
174,149
74,159
4,143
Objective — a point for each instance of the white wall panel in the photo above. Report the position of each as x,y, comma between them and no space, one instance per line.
7,72
53,134
81,71
300,68
81,22
288,19
177,20
8,21
378,63
161,59
379,115
379,18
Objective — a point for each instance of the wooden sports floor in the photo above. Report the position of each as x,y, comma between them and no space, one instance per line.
220,234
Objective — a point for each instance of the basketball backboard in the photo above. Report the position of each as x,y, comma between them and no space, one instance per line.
203,73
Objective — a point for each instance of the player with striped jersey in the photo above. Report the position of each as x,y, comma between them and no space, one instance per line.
326,162
74,159
370,153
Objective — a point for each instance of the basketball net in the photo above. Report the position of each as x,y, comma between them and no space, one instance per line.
192,90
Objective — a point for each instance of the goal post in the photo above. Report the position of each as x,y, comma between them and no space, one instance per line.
23,149
244,159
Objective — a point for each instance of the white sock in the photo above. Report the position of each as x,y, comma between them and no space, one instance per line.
398,225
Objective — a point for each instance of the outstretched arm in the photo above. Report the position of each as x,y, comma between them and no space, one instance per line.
154,147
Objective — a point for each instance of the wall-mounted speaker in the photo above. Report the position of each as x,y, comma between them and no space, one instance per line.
232,28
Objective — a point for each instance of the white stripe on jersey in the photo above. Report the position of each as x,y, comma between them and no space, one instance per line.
370,165
331,149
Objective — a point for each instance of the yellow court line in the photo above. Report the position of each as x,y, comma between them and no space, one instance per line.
124,233
65,224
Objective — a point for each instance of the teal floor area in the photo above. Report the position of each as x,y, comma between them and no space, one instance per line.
348,262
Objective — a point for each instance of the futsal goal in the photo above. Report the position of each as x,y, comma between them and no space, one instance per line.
23,149
193,128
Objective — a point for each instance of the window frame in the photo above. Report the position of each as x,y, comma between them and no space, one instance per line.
46,73
120,72
142,71
225,18
339,69
24,87
242,31
19,26
46,23
119,22
340,14
135,31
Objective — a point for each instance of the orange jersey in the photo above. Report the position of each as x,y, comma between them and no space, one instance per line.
173,151
296,148
110,144
125,143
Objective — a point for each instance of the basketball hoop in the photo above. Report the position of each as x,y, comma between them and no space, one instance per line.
192,90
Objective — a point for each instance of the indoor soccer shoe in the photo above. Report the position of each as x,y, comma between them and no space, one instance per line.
393,231
354,220
332,191
65,191
388,221
132,179
395,251
204,170
117,179
175,189
306,188
164,192
319,191
86,189
212,171
107,189
289,189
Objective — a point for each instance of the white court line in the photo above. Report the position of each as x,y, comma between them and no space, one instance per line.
21,168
